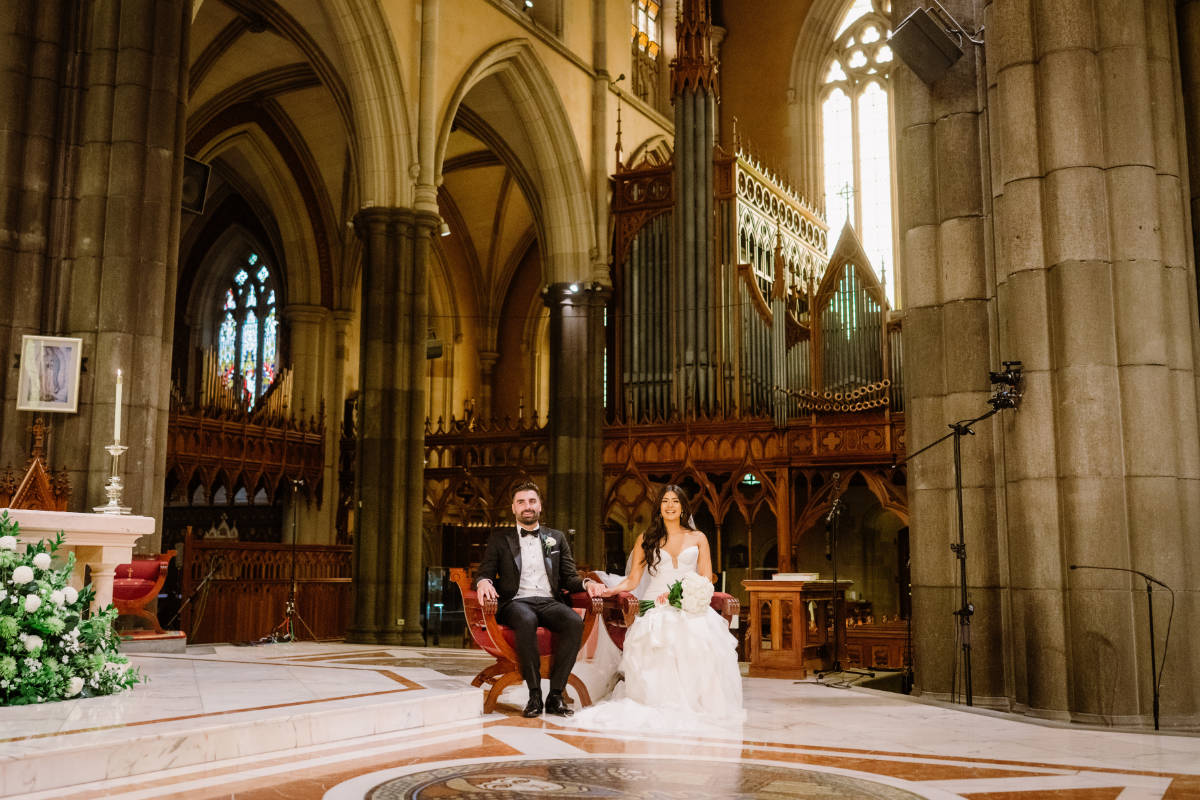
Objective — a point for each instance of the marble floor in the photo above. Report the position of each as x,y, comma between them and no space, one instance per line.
346,722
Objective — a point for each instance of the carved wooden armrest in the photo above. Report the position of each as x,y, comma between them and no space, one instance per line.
726,605
621,609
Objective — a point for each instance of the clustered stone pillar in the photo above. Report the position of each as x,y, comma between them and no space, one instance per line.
309,351
99,124
31,66
574,496
947,355
391,439
1085,276
1097,296
1187,15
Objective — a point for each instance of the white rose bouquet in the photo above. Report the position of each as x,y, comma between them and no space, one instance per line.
48,650
692,593
697,593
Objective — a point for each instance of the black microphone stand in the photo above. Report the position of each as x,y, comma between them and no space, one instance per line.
285,631
831,524
1005,397
1155,677
201,591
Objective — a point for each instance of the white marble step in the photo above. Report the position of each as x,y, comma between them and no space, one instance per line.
224,704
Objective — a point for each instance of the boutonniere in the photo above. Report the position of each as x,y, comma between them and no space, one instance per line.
549,543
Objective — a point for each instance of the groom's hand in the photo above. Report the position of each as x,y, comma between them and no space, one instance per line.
485,591
594,589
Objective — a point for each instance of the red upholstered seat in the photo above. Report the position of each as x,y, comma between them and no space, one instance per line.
545,639
499,641
137,583
620,611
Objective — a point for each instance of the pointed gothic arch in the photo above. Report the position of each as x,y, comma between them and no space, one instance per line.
545,148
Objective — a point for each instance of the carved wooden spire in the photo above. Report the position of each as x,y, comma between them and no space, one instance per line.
693,69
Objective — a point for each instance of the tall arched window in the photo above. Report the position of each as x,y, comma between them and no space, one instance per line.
248,332
856,134
646,32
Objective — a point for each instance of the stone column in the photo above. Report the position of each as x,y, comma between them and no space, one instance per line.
487,374
308,346
342,378
1098,298
116,280
391,444
1187,14
33,64
944,223
574,496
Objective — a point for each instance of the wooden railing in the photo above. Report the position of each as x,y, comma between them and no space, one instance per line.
217,449
246,592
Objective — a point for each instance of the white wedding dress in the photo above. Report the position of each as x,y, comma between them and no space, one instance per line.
681,669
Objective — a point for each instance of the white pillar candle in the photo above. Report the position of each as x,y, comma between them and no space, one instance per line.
117,412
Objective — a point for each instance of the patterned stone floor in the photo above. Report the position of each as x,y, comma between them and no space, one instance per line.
800,740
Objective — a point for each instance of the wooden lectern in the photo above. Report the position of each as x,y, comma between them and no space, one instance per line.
793,640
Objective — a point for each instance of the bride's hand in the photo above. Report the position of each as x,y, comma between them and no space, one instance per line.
662,599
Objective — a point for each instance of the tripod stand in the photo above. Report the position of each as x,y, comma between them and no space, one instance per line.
1006,397
285,631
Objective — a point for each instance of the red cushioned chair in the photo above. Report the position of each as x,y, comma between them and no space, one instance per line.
500,641
139,582
621,610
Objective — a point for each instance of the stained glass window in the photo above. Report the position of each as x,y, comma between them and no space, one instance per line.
227,347
857,136
645,30
248,334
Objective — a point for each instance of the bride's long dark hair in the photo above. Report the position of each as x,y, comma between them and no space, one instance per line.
656,535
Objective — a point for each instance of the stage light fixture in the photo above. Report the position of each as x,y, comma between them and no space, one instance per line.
444,230
930,45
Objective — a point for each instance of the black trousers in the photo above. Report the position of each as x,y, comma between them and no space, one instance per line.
524,615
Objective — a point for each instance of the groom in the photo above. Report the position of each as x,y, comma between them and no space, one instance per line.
527,568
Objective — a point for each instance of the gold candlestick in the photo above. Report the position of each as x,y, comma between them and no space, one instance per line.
114,485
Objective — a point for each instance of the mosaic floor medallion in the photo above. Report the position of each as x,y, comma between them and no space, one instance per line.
644,779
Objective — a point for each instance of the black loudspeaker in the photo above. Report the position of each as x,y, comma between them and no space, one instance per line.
926,45
195,184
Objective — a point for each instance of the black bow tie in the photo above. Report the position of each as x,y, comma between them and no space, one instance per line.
529,533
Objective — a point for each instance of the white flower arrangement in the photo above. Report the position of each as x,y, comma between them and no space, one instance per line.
691,594
48,649
697,593
549,543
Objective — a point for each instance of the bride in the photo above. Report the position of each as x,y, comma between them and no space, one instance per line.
681,669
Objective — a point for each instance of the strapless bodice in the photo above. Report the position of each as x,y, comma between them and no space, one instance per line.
666,571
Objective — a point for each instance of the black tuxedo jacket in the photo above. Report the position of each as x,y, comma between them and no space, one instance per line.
502,563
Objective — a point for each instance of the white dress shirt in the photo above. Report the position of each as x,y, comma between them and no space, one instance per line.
534,581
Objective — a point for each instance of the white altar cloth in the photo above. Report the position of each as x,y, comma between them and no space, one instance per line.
100,541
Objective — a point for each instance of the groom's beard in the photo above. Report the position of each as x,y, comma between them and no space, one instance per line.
529,517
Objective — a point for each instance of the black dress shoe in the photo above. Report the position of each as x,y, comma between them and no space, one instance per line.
534,707
557,706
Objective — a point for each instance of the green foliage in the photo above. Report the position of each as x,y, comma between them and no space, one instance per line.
674,598
48,649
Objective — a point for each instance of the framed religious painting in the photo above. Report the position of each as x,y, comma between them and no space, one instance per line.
49,380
